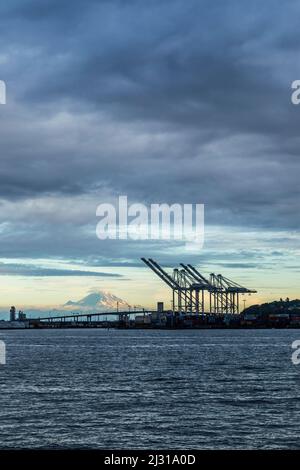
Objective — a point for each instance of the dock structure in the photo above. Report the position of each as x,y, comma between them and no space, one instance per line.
191,290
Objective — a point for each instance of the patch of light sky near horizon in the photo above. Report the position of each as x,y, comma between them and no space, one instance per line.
141,286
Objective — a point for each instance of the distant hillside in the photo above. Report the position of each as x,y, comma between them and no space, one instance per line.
275,307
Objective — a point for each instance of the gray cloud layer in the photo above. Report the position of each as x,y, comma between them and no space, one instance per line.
16,269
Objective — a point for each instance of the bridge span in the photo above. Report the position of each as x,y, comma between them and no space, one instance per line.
73,320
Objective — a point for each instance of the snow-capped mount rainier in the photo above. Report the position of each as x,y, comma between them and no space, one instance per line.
100,301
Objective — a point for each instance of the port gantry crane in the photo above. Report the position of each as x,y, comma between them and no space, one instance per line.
214,291
185,287
229,293
189,298
189,286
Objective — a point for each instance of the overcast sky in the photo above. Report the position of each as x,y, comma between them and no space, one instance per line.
163,101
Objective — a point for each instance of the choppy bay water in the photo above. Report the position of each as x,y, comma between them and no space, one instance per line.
150,389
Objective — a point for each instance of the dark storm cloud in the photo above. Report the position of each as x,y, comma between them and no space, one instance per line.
167,101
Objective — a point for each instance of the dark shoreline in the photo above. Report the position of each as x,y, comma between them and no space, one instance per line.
156,328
